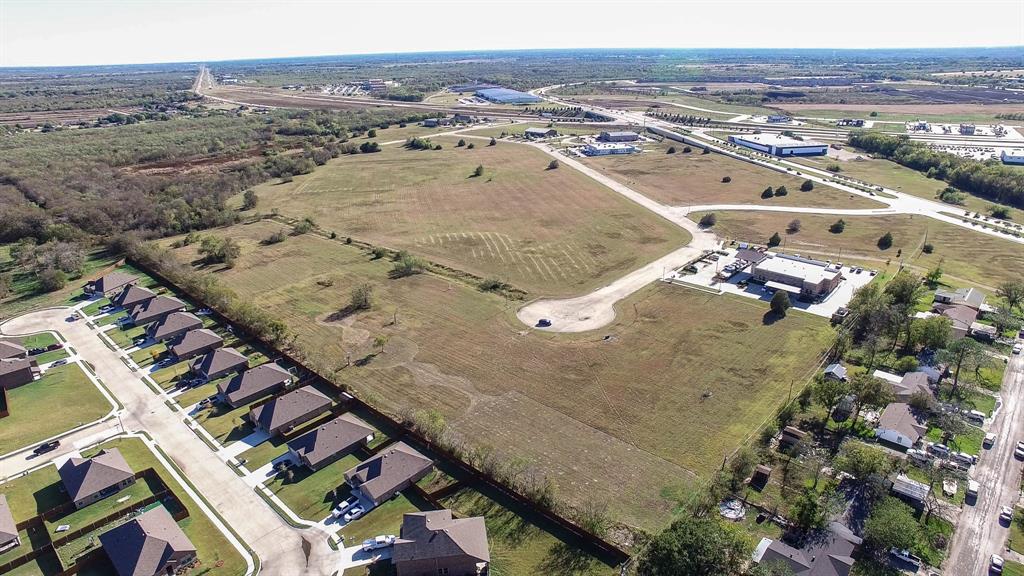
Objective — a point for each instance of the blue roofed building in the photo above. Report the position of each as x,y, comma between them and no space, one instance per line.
507,96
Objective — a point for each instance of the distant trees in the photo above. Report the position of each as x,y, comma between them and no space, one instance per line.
695,546
250,200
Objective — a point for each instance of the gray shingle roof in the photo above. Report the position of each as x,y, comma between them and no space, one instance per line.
112,281
155,308
255,381
195,340
221,361
173,324
331,438
8,530
11,349
827,553
133,295
435,535
144,546
898,416
381,475
912,382
288,407
85,476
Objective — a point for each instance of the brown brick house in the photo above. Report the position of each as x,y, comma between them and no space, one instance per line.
434,542
89,480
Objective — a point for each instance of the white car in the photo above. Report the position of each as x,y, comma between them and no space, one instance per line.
1017,348
353,513
990,440
1006,513
344,506
1019,450
996,564
378,542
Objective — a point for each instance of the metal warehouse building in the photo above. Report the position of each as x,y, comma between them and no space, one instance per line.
779,145
1012,156
618,137
507,96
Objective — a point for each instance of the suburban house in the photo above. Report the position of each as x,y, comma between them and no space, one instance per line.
173,325
618,137
10,349
16,372
434,542
910,384
389,472
196,342
89,480
910,490
962,317
8,529
152,544
962,297
900,426
131,296
836,372
983,331
254,383
329,442
540,132
289,410
220,362
831,554
155,309
110,284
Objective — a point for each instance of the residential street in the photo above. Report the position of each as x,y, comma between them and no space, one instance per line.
979,533
283,550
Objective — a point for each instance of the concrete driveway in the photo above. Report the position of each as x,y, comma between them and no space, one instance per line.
282,549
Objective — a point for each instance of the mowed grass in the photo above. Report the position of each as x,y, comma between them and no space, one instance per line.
312,495
62,399
687,179
967,257
549,232
633,404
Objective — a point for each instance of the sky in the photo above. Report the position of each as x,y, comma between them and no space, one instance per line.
86,32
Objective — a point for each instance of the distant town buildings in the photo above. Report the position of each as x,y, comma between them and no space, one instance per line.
607,148
855,122
621,136
506,96
779,145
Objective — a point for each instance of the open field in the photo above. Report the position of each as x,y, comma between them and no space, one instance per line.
905,112
685,179
628,396
688,105
564,129
892,175
968,257
550,232
64,394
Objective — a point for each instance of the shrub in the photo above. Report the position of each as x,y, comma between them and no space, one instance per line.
406,265
304,226
768,192
687,150
726,179
1000,212
775,240
780,302
492,285
807,186
274,238
708,220
470,146
378,252
927,248
905,364
794,226
249,200
834,168
781,191
479,171
553,165
461,143
371,133
52,279
369,147
951,195
493,142
885,242
287,177
671,150
838,226
361,297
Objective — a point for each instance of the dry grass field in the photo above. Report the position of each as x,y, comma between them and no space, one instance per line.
625,416
686,179
967,257
550,232
517,129
904,112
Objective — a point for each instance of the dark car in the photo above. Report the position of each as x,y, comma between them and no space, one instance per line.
543,323
47,447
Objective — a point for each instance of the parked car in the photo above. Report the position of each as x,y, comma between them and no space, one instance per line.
543,323
996,564
972,488
906,557
1017,348
963,458
1019,450
378,542
975,417
46,447
919,455
353,513
940,450
344,506
1006,513
990,440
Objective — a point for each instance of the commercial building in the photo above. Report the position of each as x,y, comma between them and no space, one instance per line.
779,145
1012,156
540,132
609,148
621,136
803,277
434,542
507,96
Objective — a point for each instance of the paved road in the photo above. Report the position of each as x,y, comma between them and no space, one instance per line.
979,533
283,550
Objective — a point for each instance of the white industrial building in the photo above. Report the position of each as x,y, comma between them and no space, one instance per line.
779,145
1012,156
801,277
605,149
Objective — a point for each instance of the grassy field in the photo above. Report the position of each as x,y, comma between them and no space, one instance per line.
632,396
564,129
686,179
968,257
688,105
59,401
892,175
552,232
904,112
24,288
224,423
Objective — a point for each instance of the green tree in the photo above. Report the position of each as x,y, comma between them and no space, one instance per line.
771,568
380,341
829,392
885,242
1004,319
479,171
553,165
870,392
217,250
767,192
51,279
708,220
696,547
461,143
1013,292
934,275
960,354
371,133
671,150
740,466
862,461
794,226
806,512
891,525
807,186
249,200
780,302
775,240
837,227
726,179
406,265
361,297
493,142
781,191
5,287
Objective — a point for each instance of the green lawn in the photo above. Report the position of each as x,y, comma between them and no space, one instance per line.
224,423
149,354
124,338
210,543
1013,569
111,318
59,401
168,376
384,519
51,356
196,394
137,492
263,454
33,494
40,340
308,493
94,308
969,443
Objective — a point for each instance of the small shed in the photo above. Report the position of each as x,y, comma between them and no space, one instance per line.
760,477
